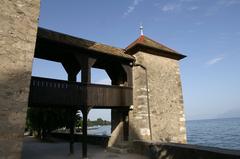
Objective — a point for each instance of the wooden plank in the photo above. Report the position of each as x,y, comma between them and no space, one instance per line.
49,92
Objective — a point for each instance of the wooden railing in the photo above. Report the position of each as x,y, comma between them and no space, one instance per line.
103,95
51,92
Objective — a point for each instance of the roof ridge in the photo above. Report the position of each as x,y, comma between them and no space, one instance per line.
161,44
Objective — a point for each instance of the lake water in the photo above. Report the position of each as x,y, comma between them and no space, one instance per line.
103,130
223,133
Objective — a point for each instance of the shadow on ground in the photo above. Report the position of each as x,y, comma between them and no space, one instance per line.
33,148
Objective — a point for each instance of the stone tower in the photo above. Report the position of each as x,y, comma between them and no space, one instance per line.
18,28
158,112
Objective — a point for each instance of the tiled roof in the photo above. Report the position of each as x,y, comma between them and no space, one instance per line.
83,43
144,41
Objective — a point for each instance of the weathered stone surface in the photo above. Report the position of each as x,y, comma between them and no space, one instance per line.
165,100
117,128
17,41
157,150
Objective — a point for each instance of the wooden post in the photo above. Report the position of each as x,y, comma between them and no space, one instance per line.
86,63
72,70
72,77
84,133
72,126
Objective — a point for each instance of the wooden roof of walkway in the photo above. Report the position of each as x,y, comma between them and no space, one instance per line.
143,43
77,44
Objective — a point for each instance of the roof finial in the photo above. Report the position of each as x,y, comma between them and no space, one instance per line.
141,29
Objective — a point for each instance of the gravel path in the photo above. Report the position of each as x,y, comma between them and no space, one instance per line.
34,149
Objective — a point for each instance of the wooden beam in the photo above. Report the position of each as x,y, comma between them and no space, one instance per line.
86,62
116,73
72,69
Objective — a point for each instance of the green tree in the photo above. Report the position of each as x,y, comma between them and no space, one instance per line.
78,121
44,120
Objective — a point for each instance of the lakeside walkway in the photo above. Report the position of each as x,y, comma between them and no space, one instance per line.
35,149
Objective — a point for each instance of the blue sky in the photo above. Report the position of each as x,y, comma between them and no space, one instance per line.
207,31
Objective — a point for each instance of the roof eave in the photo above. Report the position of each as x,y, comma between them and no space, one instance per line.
155,51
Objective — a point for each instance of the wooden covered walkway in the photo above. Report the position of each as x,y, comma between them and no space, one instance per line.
77,55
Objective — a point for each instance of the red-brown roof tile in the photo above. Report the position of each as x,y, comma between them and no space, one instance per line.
144,41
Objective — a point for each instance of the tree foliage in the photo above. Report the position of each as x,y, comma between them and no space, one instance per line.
44,120
99,121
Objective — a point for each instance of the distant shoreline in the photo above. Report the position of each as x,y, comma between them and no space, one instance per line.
213,119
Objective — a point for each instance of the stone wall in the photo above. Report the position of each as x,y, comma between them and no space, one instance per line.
155,150
165,100
17,41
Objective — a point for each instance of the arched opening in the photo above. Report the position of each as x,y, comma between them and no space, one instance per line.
78,122
79,77
99,122
48,69
100,76
107,71
118,75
